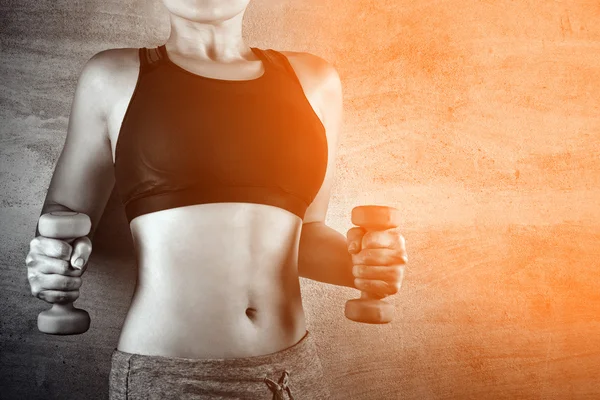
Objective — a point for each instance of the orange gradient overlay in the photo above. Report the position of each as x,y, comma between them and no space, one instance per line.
478,120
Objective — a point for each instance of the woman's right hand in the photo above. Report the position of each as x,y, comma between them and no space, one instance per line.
53,271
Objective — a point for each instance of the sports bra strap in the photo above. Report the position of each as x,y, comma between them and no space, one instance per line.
281,61
149,57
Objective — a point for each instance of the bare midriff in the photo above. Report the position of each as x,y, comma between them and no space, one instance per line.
215,281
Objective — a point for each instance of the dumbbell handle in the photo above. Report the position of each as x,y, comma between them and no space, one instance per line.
363,294
64,319
370,308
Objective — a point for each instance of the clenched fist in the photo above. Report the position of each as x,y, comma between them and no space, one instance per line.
379,258
55,266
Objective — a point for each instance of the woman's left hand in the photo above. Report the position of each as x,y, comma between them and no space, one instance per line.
378,258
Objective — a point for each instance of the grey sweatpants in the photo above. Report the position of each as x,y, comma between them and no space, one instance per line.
292,373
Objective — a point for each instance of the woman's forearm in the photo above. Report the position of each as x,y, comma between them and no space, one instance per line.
323,255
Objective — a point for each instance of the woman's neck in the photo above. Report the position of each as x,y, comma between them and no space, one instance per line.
207,40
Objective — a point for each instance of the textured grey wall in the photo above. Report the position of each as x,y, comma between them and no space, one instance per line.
478,120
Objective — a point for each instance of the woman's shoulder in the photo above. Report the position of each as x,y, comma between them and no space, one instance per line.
115,60
106,78
307,60
111,70
313,69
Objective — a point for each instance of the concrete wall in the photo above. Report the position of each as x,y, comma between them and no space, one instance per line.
477,119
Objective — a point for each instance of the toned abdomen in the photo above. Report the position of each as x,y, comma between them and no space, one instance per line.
215,281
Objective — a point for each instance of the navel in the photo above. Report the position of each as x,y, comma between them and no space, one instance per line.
251,313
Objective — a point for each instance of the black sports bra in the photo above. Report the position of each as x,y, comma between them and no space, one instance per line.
188,139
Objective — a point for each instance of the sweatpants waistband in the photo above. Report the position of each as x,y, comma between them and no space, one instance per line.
295,372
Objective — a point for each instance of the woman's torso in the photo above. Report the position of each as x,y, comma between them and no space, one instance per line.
215,280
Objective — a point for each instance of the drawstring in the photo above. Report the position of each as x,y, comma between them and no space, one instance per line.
278,388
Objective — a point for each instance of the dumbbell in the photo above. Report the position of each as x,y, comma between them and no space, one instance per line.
369,308
64,319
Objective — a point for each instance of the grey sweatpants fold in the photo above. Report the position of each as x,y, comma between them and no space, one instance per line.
292,373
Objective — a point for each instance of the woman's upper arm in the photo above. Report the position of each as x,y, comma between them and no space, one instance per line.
327,87
83,178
